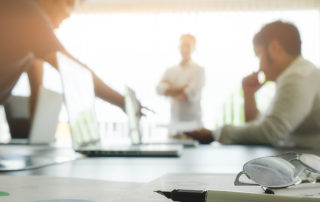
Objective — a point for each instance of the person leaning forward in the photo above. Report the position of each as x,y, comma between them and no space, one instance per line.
27,39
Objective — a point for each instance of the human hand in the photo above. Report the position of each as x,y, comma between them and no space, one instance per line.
204,136
174,91
251,84
180,97
144,111
139,110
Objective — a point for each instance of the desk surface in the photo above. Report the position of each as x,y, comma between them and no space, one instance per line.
213,158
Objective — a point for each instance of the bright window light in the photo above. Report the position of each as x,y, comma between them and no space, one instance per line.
136,48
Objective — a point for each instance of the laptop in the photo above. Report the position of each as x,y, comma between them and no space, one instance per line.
79,98
42,128
133,111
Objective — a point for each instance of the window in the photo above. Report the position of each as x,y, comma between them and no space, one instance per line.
135,49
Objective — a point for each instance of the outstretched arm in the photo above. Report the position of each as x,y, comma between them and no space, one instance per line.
102,90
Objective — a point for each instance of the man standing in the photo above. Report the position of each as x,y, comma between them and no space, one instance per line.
183,84
293,117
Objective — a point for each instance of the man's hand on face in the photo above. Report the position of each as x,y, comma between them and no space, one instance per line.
251,84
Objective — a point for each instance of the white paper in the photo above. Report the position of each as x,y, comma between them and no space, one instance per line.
214,182
38,188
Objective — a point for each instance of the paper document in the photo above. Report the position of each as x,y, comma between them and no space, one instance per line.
220,189
52,189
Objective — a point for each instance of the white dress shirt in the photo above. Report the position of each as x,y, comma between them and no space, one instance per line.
192,76
293,118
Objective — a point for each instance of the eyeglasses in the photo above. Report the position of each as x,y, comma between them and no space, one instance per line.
281,171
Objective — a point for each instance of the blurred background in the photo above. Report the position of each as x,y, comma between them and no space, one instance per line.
132,42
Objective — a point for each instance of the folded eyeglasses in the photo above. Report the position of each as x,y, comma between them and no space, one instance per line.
281,171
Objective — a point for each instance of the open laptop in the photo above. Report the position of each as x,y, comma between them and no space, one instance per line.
80,103
133,112
41,129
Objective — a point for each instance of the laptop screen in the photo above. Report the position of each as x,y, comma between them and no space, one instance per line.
79,99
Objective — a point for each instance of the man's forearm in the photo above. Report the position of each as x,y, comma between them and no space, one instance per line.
181,97
101,89
250,107
108,94
174,91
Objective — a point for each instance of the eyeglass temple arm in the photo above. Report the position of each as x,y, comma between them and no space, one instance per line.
295,154
237,181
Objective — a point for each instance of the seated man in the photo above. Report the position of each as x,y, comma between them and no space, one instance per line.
293,118
27,39
183,84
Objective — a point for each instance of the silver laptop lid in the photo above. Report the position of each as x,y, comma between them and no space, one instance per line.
133,112
79,99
